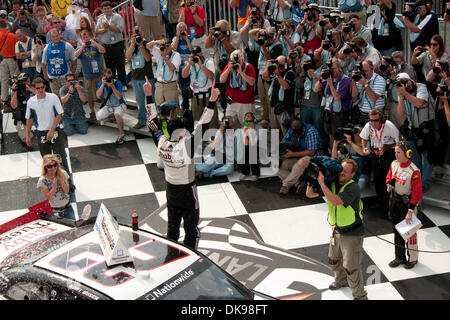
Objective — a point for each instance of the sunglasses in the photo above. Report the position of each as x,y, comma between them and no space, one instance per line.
39,88
49,166
250,120
434,44
374,120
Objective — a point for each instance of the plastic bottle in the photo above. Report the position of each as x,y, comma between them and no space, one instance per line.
134,221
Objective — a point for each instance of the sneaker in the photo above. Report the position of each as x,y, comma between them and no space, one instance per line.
124,88
120,139
284,190
254,178
336,285
395,263
138,126
410,264
243,177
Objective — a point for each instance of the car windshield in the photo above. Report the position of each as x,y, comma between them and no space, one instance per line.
202,280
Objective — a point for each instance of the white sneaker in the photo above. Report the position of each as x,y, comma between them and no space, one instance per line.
254,178
124,88
243,177
120,139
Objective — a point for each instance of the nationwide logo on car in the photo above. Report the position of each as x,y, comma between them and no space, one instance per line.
237,249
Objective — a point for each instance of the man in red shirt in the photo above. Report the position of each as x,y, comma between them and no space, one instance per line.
240,78
194,18
8,66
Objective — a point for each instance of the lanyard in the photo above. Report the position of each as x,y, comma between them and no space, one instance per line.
381,134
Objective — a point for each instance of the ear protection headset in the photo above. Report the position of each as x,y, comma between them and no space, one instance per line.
405,147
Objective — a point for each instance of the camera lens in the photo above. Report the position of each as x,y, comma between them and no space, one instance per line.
195,59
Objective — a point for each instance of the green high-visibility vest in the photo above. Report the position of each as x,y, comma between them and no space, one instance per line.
344,218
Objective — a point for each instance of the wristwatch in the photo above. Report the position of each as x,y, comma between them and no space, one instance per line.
366,85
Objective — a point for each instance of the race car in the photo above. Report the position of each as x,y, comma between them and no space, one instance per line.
46,257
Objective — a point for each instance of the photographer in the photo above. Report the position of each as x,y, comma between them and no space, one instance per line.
287,36
193,16
270,49
250,148
23,50
168,63
247,10
141,66
301,142
223,41
279,10
386,34
281,93
421,22
36,53
181,43
332,45
73,97
22,91
381,135
223,146
90,54
363,51
390,67
311,110
113,104
200,71
355,28
424,59
309,28
240,78
335,88
345,216
368,88
415,102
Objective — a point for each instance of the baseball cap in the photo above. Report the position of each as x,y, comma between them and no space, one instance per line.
403,75
3,12
312,6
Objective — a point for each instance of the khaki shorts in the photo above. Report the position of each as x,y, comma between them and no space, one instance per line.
91,87
104,112
150,25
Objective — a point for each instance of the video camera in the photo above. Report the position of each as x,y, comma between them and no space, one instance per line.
339,134
20,82
411,12
329,167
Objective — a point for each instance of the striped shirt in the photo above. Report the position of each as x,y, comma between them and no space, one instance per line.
378,85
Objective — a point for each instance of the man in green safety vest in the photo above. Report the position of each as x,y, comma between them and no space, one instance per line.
345,216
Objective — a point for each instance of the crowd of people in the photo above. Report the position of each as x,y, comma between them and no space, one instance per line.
335,83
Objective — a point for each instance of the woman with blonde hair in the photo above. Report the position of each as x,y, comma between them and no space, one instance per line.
54,185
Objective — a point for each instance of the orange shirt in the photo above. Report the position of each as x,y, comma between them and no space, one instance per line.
242,20
8,49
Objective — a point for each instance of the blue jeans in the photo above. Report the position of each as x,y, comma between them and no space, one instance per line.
68,213
215,169
141,99
421,161
314,116
75,125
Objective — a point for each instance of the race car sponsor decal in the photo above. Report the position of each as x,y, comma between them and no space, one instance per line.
27,234
237,249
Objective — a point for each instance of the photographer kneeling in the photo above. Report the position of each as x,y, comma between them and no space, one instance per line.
345,216
22,91
301,142
281,93
73,97
415,102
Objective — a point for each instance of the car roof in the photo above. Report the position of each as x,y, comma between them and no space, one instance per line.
157,262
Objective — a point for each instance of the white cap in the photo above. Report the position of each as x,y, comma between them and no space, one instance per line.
3,12
403,75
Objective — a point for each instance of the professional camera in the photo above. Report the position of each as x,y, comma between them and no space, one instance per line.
183,33
310,16
73,83
358,74
262,38
163,47
444,89
442,67
88,43
294,54
324,22
284,32
311,64
138,34
351,47
422,50
273,66
339,134
235,61
20,82
109,79
285,146
217,32
411,11
327,45
195,59
389,62
349,27
223,62
327,71
400,82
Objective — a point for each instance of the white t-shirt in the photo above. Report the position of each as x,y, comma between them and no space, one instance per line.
388,134
42,111
175,58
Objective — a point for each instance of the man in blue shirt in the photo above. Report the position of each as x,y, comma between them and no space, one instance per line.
298,146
